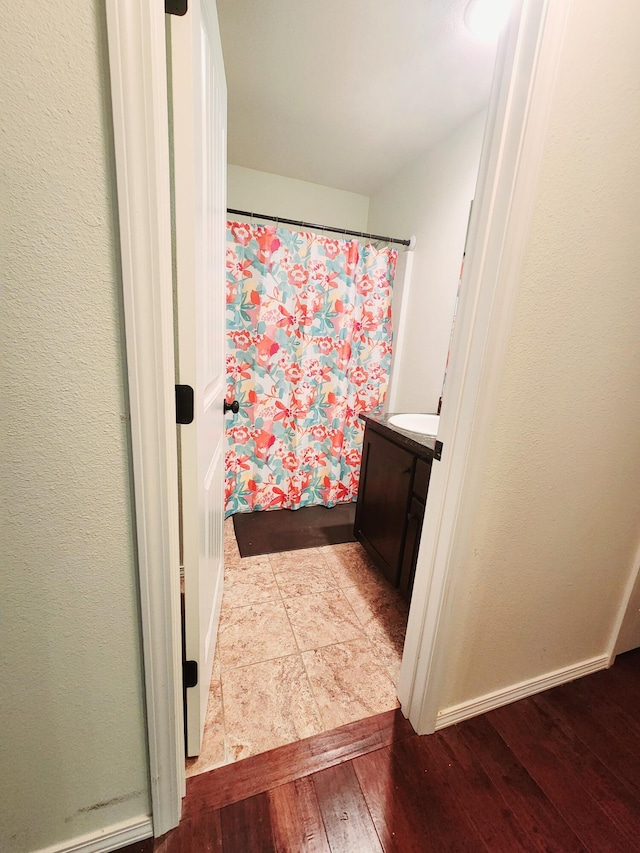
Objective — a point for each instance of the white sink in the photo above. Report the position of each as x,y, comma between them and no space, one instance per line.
425,424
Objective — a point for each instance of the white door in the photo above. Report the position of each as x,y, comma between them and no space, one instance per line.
199,99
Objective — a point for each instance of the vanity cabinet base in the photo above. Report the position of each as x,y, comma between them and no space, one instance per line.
390,507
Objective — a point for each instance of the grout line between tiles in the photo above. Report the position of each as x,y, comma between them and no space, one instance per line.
359,622
374,648
227,749
304,668
281,597
228,759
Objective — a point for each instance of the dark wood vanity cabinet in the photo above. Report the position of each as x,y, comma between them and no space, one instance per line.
394,480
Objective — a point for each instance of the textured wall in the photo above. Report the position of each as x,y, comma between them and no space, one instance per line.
71,702
431,198
560,511
261,192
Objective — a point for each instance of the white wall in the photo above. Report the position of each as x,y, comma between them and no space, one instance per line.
73,730
559,526
430,198
275,195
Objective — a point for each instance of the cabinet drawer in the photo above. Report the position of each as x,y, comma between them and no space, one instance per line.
421,479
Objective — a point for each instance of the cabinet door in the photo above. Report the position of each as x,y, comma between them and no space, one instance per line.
421,479
411,543
383,500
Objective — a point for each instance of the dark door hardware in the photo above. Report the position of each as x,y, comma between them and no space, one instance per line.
190,673
231,407
184,404
437,452
175,7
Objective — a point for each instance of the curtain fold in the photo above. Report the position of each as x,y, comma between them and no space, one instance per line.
309,349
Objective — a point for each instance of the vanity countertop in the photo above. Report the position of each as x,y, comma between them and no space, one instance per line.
422,445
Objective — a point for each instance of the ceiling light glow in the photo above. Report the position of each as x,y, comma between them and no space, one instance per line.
485,18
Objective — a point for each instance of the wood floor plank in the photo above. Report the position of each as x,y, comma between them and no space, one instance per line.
260,773
602,726
296,820
611,700
615,797
630,661
346,817
357,738
482,802
573,780
175,841
246,826
565,766
621,682
547,830
429,758
410,808
392,808
203,835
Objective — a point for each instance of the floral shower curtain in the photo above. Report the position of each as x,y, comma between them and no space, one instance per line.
309,348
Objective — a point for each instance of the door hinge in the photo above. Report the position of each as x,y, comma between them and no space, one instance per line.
175,7
190,673
437,451
184,404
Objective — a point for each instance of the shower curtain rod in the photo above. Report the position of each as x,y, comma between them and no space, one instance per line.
318,227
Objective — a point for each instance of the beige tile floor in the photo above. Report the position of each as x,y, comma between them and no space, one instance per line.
308,641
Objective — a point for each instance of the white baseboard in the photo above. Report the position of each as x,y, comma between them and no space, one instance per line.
465,710
107,839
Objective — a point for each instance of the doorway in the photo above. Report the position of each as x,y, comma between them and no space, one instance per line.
272,571
510,164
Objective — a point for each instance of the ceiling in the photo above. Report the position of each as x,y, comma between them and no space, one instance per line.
346,92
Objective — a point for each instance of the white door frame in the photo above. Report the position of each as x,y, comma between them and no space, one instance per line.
138,69
515,136
512,154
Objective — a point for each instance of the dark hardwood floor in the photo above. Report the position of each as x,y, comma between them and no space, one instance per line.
557,772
